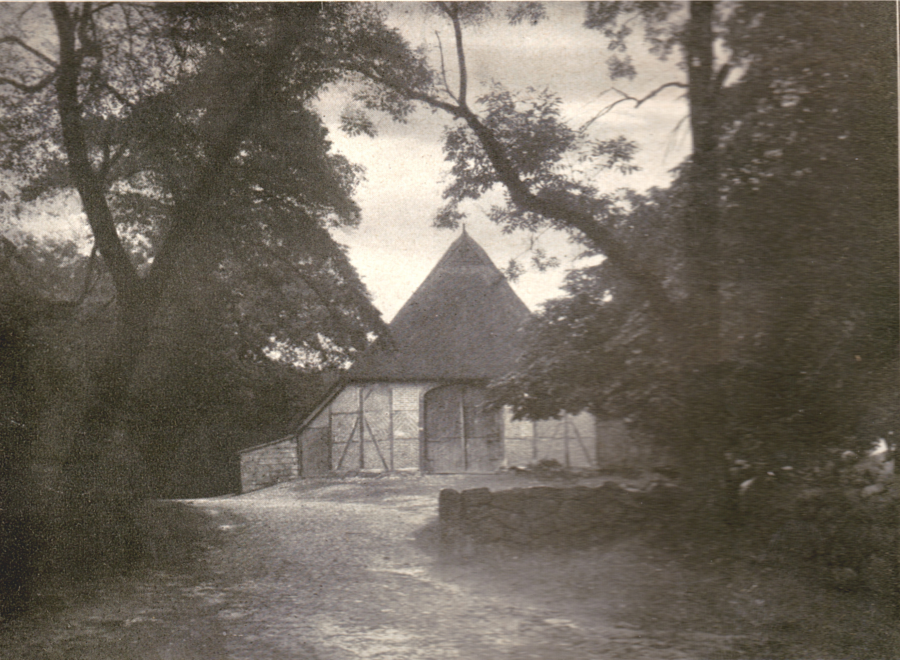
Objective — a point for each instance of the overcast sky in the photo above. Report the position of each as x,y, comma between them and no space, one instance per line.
396,246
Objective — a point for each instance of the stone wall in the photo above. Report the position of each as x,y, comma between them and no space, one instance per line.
269,464
852,541
543,516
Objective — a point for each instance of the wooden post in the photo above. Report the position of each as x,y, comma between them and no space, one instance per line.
331,464
462,429
298,439
423,459
502,413
390,390
361,423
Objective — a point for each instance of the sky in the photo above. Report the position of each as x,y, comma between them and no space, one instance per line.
396,246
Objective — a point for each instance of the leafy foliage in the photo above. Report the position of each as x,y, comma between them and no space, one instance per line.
660,21
596,349
155,107
552,159
808,232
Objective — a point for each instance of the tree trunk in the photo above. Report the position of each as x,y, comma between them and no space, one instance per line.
101,467
705,377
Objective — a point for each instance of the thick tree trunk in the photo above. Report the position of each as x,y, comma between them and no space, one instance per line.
99,474
705,377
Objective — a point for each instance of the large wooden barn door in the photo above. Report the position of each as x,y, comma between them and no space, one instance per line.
361,430
460,435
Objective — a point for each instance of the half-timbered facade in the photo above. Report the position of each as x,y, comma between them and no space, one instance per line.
417,400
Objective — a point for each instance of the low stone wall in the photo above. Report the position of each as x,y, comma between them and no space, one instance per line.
542,516
269,464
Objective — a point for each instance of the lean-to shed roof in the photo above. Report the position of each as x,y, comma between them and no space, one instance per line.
463,322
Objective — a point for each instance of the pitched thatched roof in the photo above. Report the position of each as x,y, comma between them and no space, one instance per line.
463,322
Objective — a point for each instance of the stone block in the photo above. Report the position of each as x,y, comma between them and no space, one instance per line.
489,532
509,500
449,505
505,519
476,497
542,527
575,493
449,515
542,505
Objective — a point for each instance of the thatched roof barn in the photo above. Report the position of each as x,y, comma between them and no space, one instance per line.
416,400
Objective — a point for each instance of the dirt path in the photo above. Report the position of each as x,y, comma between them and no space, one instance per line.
335,571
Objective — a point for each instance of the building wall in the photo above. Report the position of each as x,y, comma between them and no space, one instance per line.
372,427
379,428
269,464
571,440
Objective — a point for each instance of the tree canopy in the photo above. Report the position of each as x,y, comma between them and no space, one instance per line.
177,123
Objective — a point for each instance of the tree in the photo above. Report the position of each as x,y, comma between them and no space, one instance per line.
808,289
518,143
170,121
598,348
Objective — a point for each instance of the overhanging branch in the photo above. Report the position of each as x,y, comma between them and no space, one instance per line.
558,211
25,87
444,68
9,39
638,102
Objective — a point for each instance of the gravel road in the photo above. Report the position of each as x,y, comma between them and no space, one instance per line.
337,572
344,570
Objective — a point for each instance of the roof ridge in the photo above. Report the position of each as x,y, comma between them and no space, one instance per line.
463,242
463,320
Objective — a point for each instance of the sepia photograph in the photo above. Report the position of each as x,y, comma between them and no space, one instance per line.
426,330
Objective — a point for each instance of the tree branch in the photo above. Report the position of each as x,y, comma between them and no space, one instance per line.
626,97
443,68
453,13
117,95
88,277
556,210
101,7
29,89
9,39
720,77
111,159
23,86
88,184
411,93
